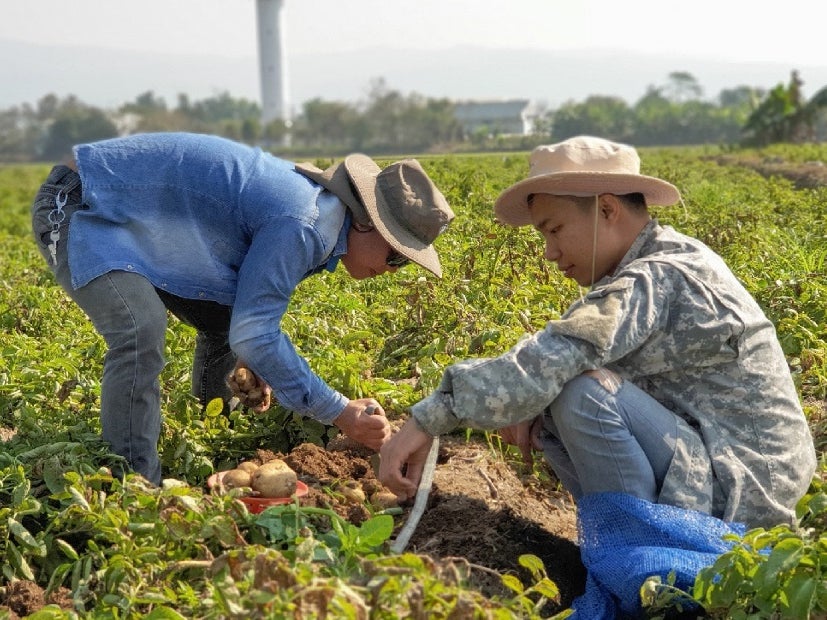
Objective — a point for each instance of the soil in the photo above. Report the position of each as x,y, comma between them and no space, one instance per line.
481,512
22,598
807,175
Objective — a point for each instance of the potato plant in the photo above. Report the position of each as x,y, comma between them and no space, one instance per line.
69,517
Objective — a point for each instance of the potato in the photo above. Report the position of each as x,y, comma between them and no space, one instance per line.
245,379
352,492
248,466
254,397
274,479
245,386
275,464
383,500
235,478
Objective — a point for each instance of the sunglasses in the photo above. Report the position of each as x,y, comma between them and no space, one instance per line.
395,259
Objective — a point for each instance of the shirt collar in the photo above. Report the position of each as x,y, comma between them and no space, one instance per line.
636,250
340,249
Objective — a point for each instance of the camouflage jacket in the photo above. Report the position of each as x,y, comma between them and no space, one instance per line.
674,320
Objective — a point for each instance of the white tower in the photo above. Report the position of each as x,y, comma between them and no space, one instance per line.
272,60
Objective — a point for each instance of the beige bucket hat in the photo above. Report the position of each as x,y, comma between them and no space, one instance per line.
400,201
581,166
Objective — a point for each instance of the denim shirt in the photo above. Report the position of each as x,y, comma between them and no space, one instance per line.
674,320
206,218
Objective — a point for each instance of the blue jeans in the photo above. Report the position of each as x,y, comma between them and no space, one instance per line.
131,316
609,435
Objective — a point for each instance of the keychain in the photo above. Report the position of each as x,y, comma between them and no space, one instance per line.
56,217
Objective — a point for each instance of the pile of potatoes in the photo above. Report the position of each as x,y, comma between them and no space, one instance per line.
354,493
244,384
272,479
275,478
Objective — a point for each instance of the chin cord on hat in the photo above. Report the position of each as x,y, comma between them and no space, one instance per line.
594,241
594,246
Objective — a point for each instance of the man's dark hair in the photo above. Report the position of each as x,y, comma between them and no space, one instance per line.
635,201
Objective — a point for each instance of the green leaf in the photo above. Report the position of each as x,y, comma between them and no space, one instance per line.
512,583
50,612
376,530
164,613
533,564
21,491
547,588
18,562
25,538
53,474
357,336
214,408
801,591
784,557
78,497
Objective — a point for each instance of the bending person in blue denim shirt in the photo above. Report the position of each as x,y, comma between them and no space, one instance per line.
220,234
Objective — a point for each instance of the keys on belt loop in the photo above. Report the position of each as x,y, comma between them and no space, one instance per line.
56,218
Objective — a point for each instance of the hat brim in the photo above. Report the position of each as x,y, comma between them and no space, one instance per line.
511,207
335,180
363,171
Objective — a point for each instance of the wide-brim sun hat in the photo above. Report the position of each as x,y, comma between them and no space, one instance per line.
400,201
581,166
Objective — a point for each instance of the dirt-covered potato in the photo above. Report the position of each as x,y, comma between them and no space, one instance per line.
245,386
248,466
352,491
235,478
254,397
274,479
383,500
245,379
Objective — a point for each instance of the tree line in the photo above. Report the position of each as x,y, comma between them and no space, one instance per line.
390,122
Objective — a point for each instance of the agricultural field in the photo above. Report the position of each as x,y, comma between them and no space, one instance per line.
498,538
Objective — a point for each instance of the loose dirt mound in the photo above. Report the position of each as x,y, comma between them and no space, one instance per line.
479,511
22,598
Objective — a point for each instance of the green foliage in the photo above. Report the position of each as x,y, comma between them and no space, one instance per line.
390,121
70,517
784,116
769,573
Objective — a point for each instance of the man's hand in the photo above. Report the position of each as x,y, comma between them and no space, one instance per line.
408,448
526,436
364,421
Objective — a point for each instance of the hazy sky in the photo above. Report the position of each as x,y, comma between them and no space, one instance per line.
790,31
201,47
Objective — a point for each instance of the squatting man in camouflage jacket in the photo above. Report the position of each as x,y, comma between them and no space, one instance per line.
665,381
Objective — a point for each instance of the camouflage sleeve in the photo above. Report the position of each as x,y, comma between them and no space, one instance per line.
500,391
521,383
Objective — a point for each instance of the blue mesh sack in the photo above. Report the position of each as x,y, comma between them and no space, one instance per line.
623,540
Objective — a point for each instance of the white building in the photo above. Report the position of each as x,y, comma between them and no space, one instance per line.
506,117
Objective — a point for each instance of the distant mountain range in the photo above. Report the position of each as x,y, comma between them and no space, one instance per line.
109,78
